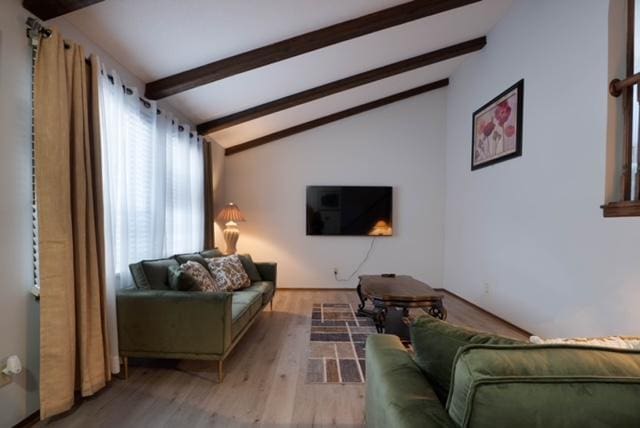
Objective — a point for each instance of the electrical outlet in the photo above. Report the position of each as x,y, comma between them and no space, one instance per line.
487,288
335,271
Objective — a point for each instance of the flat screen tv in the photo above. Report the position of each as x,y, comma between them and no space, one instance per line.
349,210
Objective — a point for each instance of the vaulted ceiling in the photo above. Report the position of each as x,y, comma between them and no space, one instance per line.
156,39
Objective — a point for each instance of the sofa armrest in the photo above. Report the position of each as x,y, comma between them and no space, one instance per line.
398,394
545,385
178,324
268,271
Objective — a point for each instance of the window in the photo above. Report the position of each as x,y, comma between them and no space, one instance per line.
153,171
627,88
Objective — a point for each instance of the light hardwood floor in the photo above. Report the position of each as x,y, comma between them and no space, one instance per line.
264,383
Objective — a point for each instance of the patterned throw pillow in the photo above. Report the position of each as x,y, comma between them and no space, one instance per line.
606,342
202,278
228,273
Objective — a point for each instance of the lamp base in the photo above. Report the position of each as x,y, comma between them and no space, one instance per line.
231,234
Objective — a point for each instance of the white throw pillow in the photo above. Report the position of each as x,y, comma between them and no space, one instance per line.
228,273
617,342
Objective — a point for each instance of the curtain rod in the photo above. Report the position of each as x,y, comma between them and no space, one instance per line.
35,29
146,103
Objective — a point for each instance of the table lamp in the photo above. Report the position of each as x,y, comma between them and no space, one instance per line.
229,215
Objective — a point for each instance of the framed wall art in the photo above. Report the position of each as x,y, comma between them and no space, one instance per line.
497,128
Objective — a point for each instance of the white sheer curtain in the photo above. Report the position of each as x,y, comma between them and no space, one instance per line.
184,189
153,187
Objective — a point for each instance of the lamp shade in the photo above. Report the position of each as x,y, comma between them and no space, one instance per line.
230,212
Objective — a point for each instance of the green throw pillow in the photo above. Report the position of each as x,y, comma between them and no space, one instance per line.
180,280
250,267
436,344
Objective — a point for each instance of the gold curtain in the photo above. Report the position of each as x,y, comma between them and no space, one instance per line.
209,215
73,340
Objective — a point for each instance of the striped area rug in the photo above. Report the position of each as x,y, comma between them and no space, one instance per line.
336,349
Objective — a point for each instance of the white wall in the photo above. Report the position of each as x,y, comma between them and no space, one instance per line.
19,328
531,228
399,145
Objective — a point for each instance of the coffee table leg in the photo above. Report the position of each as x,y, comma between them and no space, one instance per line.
437,310
380,318
362,300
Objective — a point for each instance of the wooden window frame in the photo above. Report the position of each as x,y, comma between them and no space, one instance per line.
629,206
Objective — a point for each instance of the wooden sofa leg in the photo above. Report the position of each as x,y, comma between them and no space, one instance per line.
271,305
220,372
125,367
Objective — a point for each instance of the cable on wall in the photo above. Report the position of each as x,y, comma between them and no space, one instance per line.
364,260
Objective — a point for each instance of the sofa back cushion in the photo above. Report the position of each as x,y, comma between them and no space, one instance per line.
152,274
214,252
195,257
436,344
545,385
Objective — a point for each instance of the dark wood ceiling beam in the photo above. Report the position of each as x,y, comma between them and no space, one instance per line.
342,85
48,9
298,45
336,116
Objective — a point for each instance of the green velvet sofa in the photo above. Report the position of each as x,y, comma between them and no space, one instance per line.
155,321
462,378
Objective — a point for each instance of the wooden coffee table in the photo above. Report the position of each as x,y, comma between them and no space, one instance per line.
401,291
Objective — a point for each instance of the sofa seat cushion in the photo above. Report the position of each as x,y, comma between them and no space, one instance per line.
266,288
545,385
436,344
245,305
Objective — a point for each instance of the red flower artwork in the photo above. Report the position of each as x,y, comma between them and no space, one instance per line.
496,126
510,130
503,111
488,129
480,126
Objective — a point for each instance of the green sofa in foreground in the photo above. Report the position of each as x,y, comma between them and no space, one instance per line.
155,321
463,378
